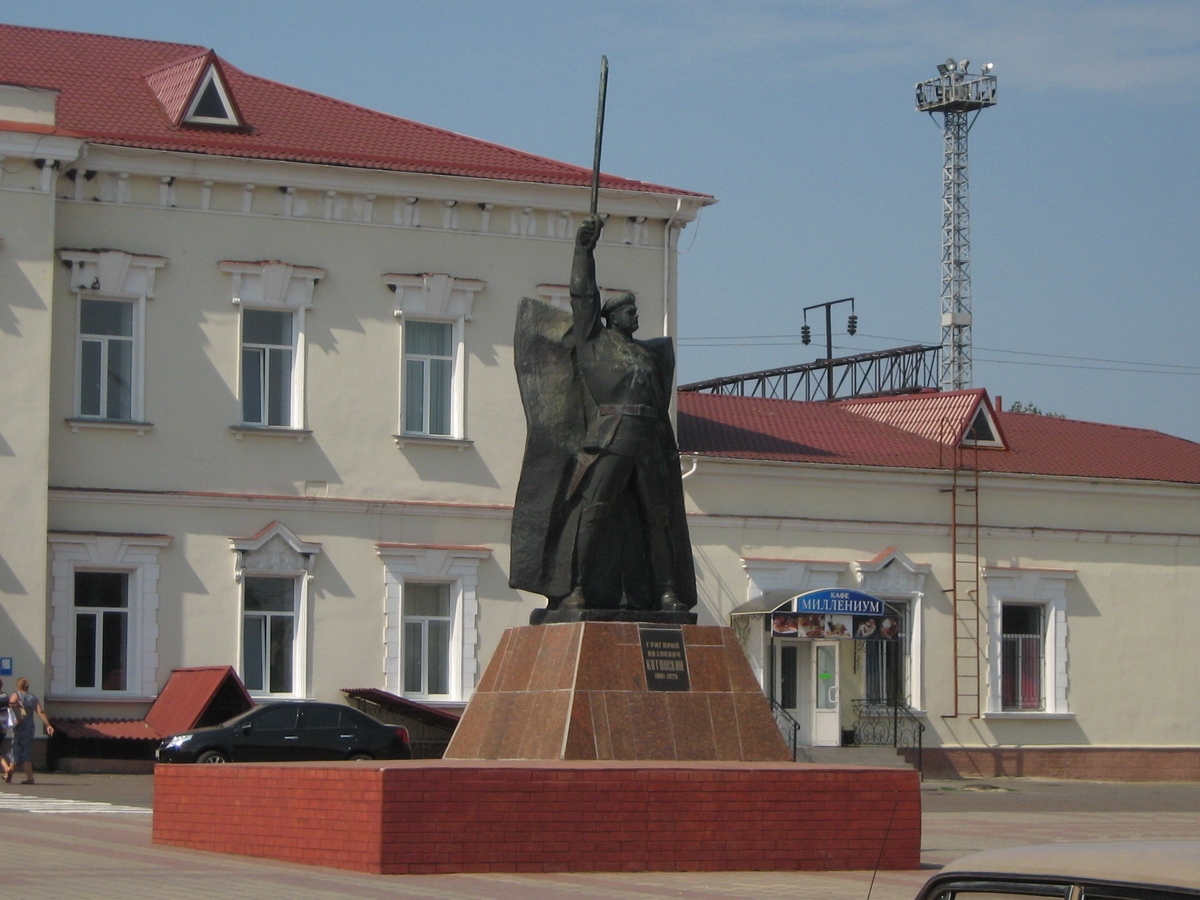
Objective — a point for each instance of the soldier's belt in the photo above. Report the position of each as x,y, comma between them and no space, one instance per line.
633,409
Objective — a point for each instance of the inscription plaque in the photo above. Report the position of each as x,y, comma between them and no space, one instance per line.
665,659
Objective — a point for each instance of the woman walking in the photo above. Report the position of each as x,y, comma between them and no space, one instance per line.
22,745
5,765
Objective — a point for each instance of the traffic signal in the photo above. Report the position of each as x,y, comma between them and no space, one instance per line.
852,324
805,335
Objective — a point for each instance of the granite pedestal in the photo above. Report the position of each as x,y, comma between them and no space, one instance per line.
618,690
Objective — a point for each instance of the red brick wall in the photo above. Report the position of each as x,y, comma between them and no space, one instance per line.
1086,763
328,816
450,816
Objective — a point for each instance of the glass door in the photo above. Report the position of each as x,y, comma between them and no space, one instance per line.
826,718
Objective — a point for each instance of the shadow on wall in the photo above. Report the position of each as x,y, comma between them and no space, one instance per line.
18,293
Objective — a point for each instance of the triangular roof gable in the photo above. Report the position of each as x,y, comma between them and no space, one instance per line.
195,91
947,418
984,428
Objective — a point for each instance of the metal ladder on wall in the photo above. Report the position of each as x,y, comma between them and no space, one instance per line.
964,592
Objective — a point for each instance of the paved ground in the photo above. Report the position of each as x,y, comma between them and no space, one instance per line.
89,836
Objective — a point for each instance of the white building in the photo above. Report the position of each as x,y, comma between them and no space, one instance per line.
259,342
1043,574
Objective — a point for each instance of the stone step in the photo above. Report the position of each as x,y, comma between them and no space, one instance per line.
853,756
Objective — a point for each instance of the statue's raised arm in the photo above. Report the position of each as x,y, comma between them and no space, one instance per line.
585,294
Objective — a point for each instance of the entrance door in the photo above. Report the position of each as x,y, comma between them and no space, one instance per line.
827,729
793,667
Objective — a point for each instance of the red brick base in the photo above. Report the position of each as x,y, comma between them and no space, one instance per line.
427,816
1085,763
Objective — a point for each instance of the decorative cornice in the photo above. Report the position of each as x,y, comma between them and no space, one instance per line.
433,294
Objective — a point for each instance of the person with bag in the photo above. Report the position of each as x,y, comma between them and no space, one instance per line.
23,706
6,719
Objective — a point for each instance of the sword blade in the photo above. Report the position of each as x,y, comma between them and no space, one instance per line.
599,133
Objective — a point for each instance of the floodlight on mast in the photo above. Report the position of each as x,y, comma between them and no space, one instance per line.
956,93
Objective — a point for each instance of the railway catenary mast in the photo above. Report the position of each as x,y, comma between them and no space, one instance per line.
956,94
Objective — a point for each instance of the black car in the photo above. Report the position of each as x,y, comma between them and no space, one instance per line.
288,731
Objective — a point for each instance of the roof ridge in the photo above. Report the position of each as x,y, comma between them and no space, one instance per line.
425,126
204,51
107,37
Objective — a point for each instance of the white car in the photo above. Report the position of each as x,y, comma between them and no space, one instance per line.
1116,870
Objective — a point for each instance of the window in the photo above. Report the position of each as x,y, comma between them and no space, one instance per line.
274,568
428,377
274,297
211,103
1021,657
106,362
269,614
885,663
112,288
892,669
428,623
267,354
101,630
104,607
1028,662
431,614
433,310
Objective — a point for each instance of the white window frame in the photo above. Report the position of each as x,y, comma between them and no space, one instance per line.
212,75
1030,587
454,597
299,631
267,386
276,552
98,615
436,297
114,276
456,383
453,565
134,555
276,287
894,578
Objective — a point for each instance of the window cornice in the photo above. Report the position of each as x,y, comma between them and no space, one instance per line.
434,294
112,273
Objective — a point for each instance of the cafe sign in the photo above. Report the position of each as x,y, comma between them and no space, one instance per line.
836,614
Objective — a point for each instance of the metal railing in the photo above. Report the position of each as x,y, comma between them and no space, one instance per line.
788,727
882,724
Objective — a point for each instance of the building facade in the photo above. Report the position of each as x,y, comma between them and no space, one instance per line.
264,410
1041,576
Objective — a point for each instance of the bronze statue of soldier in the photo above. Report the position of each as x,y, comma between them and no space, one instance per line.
598,522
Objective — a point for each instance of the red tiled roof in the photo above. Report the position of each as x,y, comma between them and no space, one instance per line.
204,695
813,432
174,83
127,92
941,417
389,701
187,694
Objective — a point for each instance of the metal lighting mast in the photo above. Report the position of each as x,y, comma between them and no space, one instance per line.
955,94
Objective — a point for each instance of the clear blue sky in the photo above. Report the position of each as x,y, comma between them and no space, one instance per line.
798,116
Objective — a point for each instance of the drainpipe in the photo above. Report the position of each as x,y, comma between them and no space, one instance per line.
667,267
